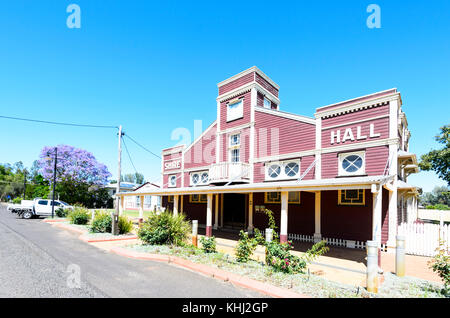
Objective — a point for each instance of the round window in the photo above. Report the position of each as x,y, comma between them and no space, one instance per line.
291,169
274,171
195,178
205,177
352,163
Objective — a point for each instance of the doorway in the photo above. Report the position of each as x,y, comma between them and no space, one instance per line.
234,211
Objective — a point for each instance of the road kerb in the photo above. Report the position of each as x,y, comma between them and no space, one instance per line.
235,279
99,240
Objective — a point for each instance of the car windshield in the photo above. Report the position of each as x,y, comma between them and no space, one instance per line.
64,203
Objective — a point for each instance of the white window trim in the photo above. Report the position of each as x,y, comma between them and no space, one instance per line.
361,171
238,113
231,138
282,175
191,175
264,103
231,154
170,185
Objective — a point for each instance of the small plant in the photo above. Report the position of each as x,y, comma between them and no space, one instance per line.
245,247
102,222
208,244
17,200
79,216
164,228
61,212
125,225
441,265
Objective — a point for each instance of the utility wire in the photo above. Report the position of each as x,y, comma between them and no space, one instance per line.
57,123
129,156
142,146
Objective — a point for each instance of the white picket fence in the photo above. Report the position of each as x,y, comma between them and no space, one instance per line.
423,239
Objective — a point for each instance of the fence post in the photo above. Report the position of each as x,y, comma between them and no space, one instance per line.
400,256
269,235
195,232
372,266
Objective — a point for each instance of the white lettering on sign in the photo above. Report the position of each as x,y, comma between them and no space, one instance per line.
172,165
349,136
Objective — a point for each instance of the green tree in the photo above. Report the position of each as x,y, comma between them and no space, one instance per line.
439,160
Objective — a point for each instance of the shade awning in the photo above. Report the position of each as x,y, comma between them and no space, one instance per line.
365,182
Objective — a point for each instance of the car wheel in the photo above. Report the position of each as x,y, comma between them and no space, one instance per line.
27,215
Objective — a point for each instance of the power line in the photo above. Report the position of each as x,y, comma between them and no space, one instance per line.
142,146
129,156
57,123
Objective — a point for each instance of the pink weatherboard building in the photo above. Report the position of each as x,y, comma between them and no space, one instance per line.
340,176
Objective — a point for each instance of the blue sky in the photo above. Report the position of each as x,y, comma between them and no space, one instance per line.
153,67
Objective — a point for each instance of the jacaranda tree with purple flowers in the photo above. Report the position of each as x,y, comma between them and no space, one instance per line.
79,175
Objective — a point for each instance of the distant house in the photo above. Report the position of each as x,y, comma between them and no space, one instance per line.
124,187
150,202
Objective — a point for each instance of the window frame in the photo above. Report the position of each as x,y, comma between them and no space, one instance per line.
200,198
264,103
235,114
170,185
361,171
352,203
200,182
282,175
278,200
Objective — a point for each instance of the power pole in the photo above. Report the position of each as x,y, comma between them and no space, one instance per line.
115,219
54,183
24,183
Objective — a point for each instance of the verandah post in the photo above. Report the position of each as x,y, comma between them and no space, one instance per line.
284,217
317,233
209,215
175,204
250,213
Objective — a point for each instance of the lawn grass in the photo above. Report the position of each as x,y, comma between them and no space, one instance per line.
131,213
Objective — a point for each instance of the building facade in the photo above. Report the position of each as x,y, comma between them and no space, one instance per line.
341,175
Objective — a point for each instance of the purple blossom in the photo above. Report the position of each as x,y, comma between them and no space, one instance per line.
73,164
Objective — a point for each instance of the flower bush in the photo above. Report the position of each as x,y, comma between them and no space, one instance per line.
208,244
441,265
62,213
125,225
102,222
164,228
245,247
79,215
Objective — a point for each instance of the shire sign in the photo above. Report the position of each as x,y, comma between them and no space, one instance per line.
172,165
350,136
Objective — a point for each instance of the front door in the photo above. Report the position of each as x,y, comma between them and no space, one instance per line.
234,211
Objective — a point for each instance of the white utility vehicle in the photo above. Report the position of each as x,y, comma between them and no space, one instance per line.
38,207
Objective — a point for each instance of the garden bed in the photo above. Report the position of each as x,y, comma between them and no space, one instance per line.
311,285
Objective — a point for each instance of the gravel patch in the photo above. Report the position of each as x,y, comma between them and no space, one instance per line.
309,284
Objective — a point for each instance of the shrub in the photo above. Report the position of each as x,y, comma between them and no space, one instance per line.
245,247
102,223
17,200
79,215
208,244
164,228
125,225
278,256
61,212
441,265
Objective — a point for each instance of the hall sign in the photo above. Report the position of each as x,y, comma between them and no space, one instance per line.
172,165
352,134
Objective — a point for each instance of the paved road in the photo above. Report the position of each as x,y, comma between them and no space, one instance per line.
38,260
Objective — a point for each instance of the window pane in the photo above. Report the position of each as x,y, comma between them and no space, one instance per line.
291,169
274,171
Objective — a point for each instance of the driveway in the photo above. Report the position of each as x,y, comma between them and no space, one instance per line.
38,260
